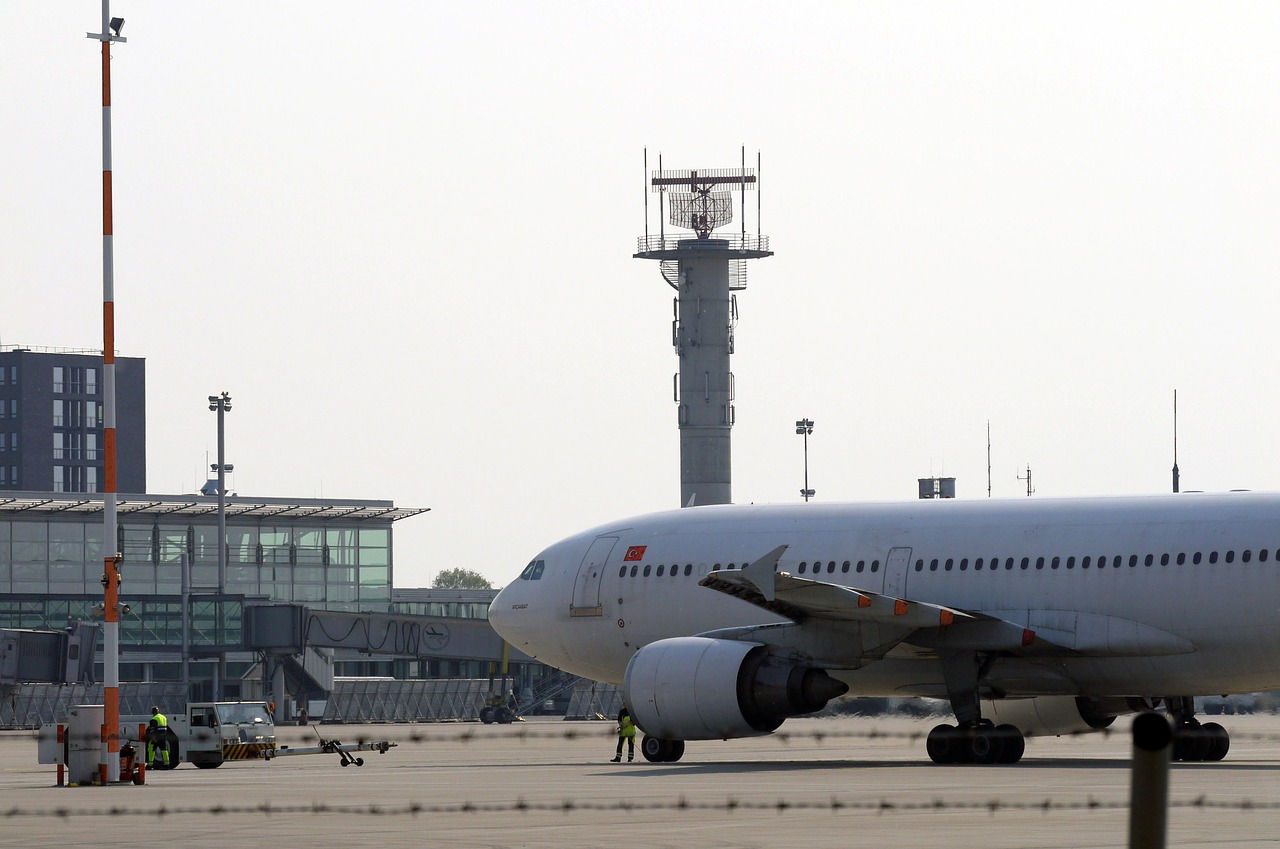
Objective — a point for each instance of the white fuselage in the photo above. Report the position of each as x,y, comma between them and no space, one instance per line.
1194,577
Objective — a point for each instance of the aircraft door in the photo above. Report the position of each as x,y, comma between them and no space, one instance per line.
586,589
895,572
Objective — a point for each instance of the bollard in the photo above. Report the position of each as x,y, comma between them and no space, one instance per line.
140,772
1149,781
62,755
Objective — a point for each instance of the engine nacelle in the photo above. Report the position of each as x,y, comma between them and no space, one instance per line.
1051,716
699,688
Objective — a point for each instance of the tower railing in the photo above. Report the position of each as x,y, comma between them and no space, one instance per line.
671,242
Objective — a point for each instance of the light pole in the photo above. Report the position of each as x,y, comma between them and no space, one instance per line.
109,767
804,427
221,404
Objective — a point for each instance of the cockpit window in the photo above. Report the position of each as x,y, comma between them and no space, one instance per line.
528,570
538,566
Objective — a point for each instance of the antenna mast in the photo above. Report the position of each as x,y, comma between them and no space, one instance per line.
1027,478
988,458
1175,440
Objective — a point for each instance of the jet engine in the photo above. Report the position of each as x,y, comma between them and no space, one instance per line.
699,688
1051,716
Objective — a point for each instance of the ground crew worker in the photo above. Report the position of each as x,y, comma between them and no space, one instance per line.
158,739
627,732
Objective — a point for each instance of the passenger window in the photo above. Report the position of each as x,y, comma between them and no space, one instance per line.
861,565
1195,558
964,564
1133,560
1008,564
1084,564
1182,557
933,565
1164,559
1213,557
803,565
688,569
1039,562
950,563
1262,555
1246,555
647,568
715,568
977,565
622,573
875,565
831,567
1148,560
633,571
919,565
731,566
1025,562
1071,563
661,567
1231,556
1115,562
844,567
1053,564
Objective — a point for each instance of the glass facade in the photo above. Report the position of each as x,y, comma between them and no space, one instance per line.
340,568
51,571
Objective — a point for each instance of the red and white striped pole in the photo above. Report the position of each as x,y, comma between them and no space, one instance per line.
109,766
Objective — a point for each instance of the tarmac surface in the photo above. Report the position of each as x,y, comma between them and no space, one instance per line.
546,783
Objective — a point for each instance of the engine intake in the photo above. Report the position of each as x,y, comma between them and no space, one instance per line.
700,688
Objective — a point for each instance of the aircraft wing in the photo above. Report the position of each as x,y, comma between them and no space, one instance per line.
811,602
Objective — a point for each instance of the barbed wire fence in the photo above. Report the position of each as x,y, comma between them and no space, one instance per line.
834,805
477,735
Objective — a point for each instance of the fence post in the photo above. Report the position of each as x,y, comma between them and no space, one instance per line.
1149,781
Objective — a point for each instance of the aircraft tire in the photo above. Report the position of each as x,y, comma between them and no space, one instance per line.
941,744
1220,741
653,749
1012,744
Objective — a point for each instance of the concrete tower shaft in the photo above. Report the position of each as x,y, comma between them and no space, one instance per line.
705,273
704,341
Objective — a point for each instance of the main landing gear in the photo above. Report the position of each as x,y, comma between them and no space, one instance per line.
975,740
1193,741
975,744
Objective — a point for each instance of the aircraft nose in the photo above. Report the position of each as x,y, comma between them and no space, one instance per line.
501,616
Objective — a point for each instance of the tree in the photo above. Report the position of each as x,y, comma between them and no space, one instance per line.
461,579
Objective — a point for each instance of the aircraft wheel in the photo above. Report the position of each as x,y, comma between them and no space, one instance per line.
210,764
941,744
1191,743
504,715
659,751
1012,744
1219,741
486,715
982,746
359,761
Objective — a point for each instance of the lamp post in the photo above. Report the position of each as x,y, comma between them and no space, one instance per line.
221,404
109,765
804,427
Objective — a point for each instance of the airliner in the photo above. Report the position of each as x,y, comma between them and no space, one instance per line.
1029,616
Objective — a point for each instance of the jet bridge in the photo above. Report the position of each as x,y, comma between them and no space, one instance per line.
297,642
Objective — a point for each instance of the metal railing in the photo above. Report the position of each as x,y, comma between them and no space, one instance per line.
671,242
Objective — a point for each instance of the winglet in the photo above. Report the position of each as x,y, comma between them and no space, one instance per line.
762,572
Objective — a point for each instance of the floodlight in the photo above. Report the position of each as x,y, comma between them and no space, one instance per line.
117,24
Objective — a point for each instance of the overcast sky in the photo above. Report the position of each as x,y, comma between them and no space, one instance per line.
400,235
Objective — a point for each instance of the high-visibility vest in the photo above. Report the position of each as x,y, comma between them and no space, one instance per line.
627,726
162,721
